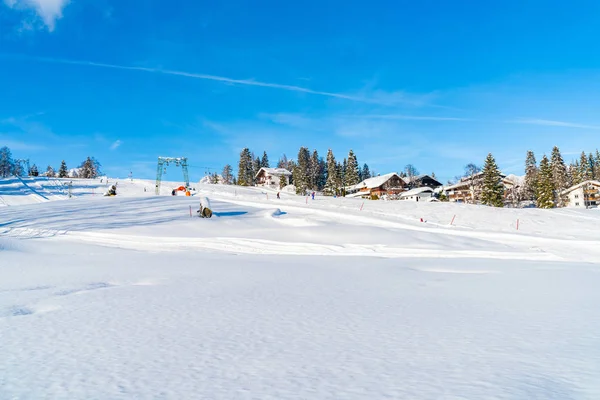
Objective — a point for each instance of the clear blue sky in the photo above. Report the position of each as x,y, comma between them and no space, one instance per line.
434,83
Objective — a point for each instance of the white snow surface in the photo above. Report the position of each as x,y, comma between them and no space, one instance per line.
129,297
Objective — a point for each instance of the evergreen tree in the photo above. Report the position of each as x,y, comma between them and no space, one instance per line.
235,181
227,175
592,162
313,171
560,179
62,171
597,165
322,177
352,171
433,175
264,162
585,172
50,172
282,182
34,171
256,166
301,171
88,169
575,172
245,177
545,187
531,175
291,165
7,165
332,184
492,191
366,173
344,166
214,178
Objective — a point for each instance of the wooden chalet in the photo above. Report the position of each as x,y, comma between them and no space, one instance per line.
384,185
271,177
468,189
422,181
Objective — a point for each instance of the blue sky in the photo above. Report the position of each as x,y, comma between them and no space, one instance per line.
437,84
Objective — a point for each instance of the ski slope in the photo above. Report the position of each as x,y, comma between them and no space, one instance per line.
129,297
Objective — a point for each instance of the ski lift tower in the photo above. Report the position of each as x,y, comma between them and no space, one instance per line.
163,162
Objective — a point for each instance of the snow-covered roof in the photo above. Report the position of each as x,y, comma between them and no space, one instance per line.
419,177
374,182
416,191
275,171
593,183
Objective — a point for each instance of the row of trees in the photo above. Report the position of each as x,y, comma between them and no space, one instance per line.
310,172
545,184
89,169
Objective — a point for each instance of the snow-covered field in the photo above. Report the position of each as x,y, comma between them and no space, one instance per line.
129,297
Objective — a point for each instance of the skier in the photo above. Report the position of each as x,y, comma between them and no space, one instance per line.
278,195
313,195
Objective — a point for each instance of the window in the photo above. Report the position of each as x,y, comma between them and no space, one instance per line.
576,204
576,196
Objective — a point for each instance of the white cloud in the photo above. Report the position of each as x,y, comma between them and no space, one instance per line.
546,122
115,145
48,10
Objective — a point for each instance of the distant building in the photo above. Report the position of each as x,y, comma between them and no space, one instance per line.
422,181
468,189
271,177
384,185
418,194
584,195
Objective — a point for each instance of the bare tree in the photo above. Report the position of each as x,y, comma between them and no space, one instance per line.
470,175
411,172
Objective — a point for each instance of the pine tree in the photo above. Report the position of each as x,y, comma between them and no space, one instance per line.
89,169
282,182
560,179
245,177
597,164
50,172
322,177
592,162
214,178
301,171
433,175
545,188
256,166
227,175
343,172
34,171
366,173
575,172
331,186
352,172
531,175
62,171
264,162
235,181
584,168
313,171
291,165
492,193
6,162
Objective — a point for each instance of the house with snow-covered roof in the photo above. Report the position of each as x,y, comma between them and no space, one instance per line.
468,189
384,185
422,181
271,177
424,193
584,195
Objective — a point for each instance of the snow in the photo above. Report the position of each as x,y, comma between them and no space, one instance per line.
374,182
129,297
274,171
416,191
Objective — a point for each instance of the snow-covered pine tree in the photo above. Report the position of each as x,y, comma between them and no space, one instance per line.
301,171
352,172
50,172
34,171
234,181
322,176
597,165
584,167
6,162
313,171
256,166
492,193
291,165
531,175
88,169
575,172
264,162
560,178
245,168
331,185
214,178
62,171
227,175
545,187
366,173
282,182
592,162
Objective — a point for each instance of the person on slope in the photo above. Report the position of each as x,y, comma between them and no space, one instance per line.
278,195
313,195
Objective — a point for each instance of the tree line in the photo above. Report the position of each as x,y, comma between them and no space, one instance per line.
310,172
90,168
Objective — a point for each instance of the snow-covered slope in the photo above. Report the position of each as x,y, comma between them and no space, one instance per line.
130,297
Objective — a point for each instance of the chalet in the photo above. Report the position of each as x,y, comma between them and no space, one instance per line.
384,185
418,194
422,181
468,189
584,195
271,177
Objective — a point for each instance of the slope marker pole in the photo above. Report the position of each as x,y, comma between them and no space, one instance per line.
190,211
361,206
451,222
517,224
